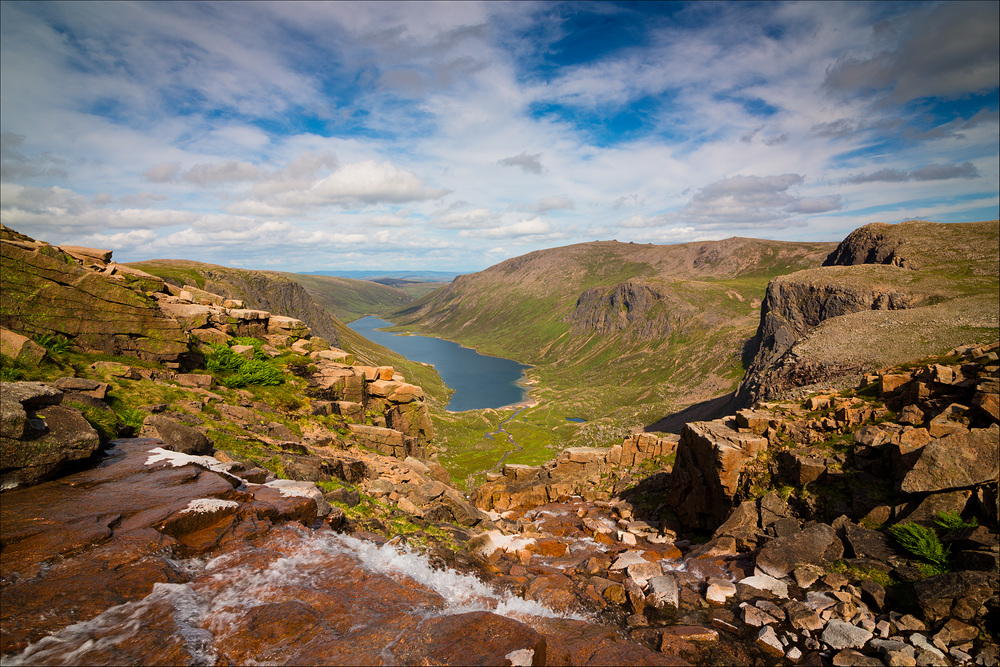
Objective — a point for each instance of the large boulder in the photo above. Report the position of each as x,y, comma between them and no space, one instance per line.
814,545
20,348
706,474
954,594
47,439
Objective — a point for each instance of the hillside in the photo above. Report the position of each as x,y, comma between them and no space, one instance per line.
316,300
345,298
619,334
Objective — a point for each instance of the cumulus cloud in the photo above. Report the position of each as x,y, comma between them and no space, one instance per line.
556,203
164,172
931,172
395,219
359,184
531,227
741,201
531,164
474,218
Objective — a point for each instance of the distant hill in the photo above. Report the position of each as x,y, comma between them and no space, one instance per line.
418,276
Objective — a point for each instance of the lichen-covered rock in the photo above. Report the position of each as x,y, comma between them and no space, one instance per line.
20,348
47,291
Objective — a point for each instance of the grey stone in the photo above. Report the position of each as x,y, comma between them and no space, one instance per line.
840,635
663,592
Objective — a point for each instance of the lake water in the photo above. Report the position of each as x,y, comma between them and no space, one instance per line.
479,381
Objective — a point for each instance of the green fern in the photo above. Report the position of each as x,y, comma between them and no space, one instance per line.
952,521
921,542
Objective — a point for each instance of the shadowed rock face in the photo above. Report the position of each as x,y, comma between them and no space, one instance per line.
939,268
641,311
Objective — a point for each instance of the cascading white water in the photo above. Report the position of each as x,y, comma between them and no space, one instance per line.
223,589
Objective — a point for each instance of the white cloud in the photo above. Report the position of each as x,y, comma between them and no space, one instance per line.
556,203
531,227
163,172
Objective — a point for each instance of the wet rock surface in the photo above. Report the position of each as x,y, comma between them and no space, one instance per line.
157,557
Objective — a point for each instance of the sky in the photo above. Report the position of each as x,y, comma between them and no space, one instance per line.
451,136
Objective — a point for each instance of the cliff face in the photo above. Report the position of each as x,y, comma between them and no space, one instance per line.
945,272
640,311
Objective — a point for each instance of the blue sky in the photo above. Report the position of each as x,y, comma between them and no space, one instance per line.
345,136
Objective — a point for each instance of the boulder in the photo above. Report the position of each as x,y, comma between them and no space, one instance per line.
840,635
706,474
62,436
963,459
813,545
868,543
176,436
954,594
663,593
20,348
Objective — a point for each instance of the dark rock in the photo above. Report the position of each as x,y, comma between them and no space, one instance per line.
815,544
954,594
64,436
872,594
176,437
866,543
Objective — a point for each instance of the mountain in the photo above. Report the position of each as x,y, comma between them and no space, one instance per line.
618,333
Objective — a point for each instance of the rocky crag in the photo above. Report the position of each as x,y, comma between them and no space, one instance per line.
887,294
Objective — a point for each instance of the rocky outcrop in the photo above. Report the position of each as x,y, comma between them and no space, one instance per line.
639,310
586,471
706,474
263,290
938,268
795,304
875,243
400,420
47,291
